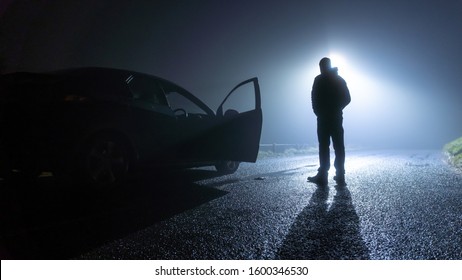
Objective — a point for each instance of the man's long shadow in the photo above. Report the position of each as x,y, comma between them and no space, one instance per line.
48,220
323,233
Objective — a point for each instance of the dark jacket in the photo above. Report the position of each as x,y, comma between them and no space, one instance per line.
329,95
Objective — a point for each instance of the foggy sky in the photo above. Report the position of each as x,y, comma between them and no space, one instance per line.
408,51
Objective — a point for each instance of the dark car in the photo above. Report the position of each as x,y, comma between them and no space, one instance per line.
97,124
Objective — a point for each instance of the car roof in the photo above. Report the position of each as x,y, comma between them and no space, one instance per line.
109,74
100,72
120,75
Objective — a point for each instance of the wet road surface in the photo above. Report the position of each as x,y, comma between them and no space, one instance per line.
397,205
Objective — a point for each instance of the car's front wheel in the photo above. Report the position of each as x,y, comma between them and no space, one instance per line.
227,167
105,161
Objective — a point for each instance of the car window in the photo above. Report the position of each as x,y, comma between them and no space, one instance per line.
242,100
146,93
146,90
179,99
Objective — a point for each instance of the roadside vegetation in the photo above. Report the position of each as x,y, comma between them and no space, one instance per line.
454,152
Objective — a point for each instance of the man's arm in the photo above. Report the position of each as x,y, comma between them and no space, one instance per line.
345,94
314,98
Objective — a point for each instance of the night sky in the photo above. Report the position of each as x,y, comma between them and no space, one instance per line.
401,59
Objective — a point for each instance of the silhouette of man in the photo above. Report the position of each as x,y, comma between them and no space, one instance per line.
329,96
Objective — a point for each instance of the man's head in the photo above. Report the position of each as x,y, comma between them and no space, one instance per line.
325,65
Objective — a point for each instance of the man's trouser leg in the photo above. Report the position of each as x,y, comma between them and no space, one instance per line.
339,146
324,143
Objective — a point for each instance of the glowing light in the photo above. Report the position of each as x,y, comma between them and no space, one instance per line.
367,92
364,86
338,61
347,70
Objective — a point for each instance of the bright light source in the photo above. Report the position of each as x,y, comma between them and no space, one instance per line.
364,89
367,93
338,61
346,70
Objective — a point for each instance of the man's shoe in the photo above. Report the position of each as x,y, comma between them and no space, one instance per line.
320,179
340,179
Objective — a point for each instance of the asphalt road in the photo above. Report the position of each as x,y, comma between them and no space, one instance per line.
397,205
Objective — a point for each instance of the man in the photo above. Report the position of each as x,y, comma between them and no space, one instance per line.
329,96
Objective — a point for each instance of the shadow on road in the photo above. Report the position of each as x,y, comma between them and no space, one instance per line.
323,233
46,220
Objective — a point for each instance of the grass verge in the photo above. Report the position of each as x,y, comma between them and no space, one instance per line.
454,151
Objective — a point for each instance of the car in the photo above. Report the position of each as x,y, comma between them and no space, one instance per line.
98,124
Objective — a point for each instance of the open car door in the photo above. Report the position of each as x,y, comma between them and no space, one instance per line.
236,135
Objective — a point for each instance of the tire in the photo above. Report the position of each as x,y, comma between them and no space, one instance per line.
227,167
105,161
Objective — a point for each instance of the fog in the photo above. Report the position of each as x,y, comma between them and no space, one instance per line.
400,59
